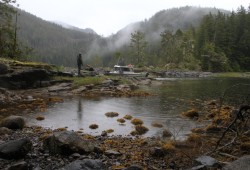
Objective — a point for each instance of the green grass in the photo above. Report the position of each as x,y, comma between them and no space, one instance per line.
233,74
12,62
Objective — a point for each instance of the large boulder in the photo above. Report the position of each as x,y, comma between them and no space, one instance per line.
15,149
24,78
86,164
241,163
67,143
13,122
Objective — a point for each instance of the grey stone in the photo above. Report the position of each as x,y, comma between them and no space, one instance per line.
112,152
134,167
15,149
19,166
13,122
67,143
85,164
60,87
243,163
207,161
79,90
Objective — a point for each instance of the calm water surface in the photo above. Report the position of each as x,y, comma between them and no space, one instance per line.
172,97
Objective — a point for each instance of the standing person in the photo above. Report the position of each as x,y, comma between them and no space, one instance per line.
79,63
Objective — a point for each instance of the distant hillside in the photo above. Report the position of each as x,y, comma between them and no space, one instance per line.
170,19
52,43
67,26
55,44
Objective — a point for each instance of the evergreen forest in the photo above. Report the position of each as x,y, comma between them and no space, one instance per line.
185,38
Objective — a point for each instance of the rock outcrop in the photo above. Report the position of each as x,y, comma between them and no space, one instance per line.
67,143
13,122
15,149
86,164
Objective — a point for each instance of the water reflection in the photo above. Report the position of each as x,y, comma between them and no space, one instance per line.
172,98
79,112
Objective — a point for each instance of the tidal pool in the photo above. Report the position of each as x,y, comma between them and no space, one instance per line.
171,98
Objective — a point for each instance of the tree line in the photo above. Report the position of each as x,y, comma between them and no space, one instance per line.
214,42
221,42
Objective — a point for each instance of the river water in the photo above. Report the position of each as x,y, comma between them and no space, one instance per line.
172,96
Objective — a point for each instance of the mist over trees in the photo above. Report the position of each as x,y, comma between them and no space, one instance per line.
186,38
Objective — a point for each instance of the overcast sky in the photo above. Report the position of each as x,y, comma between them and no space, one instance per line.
109,16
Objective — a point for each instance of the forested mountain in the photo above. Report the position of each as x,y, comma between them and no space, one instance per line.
55,44
51,42
183,18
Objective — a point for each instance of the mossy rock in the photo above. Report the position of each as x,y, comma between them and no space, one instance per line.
128,117
136,121
191,113
93,126
141,129
112,114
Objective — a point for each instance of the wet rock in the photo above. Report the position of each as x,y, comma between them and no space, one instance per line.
108,82
123,87
241,163
104,133
134,167
86,164
200,167
75,155
112,152
79,90
67,143
166,133
13,122
207,161
157,152
19,166
5,131
25,78
60,87
15,149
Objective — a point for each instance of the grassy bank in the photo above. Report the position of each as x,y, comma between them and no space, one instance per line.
232,74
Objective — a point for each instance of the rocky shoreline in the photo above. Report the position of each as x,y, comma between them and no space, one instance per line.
24,148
